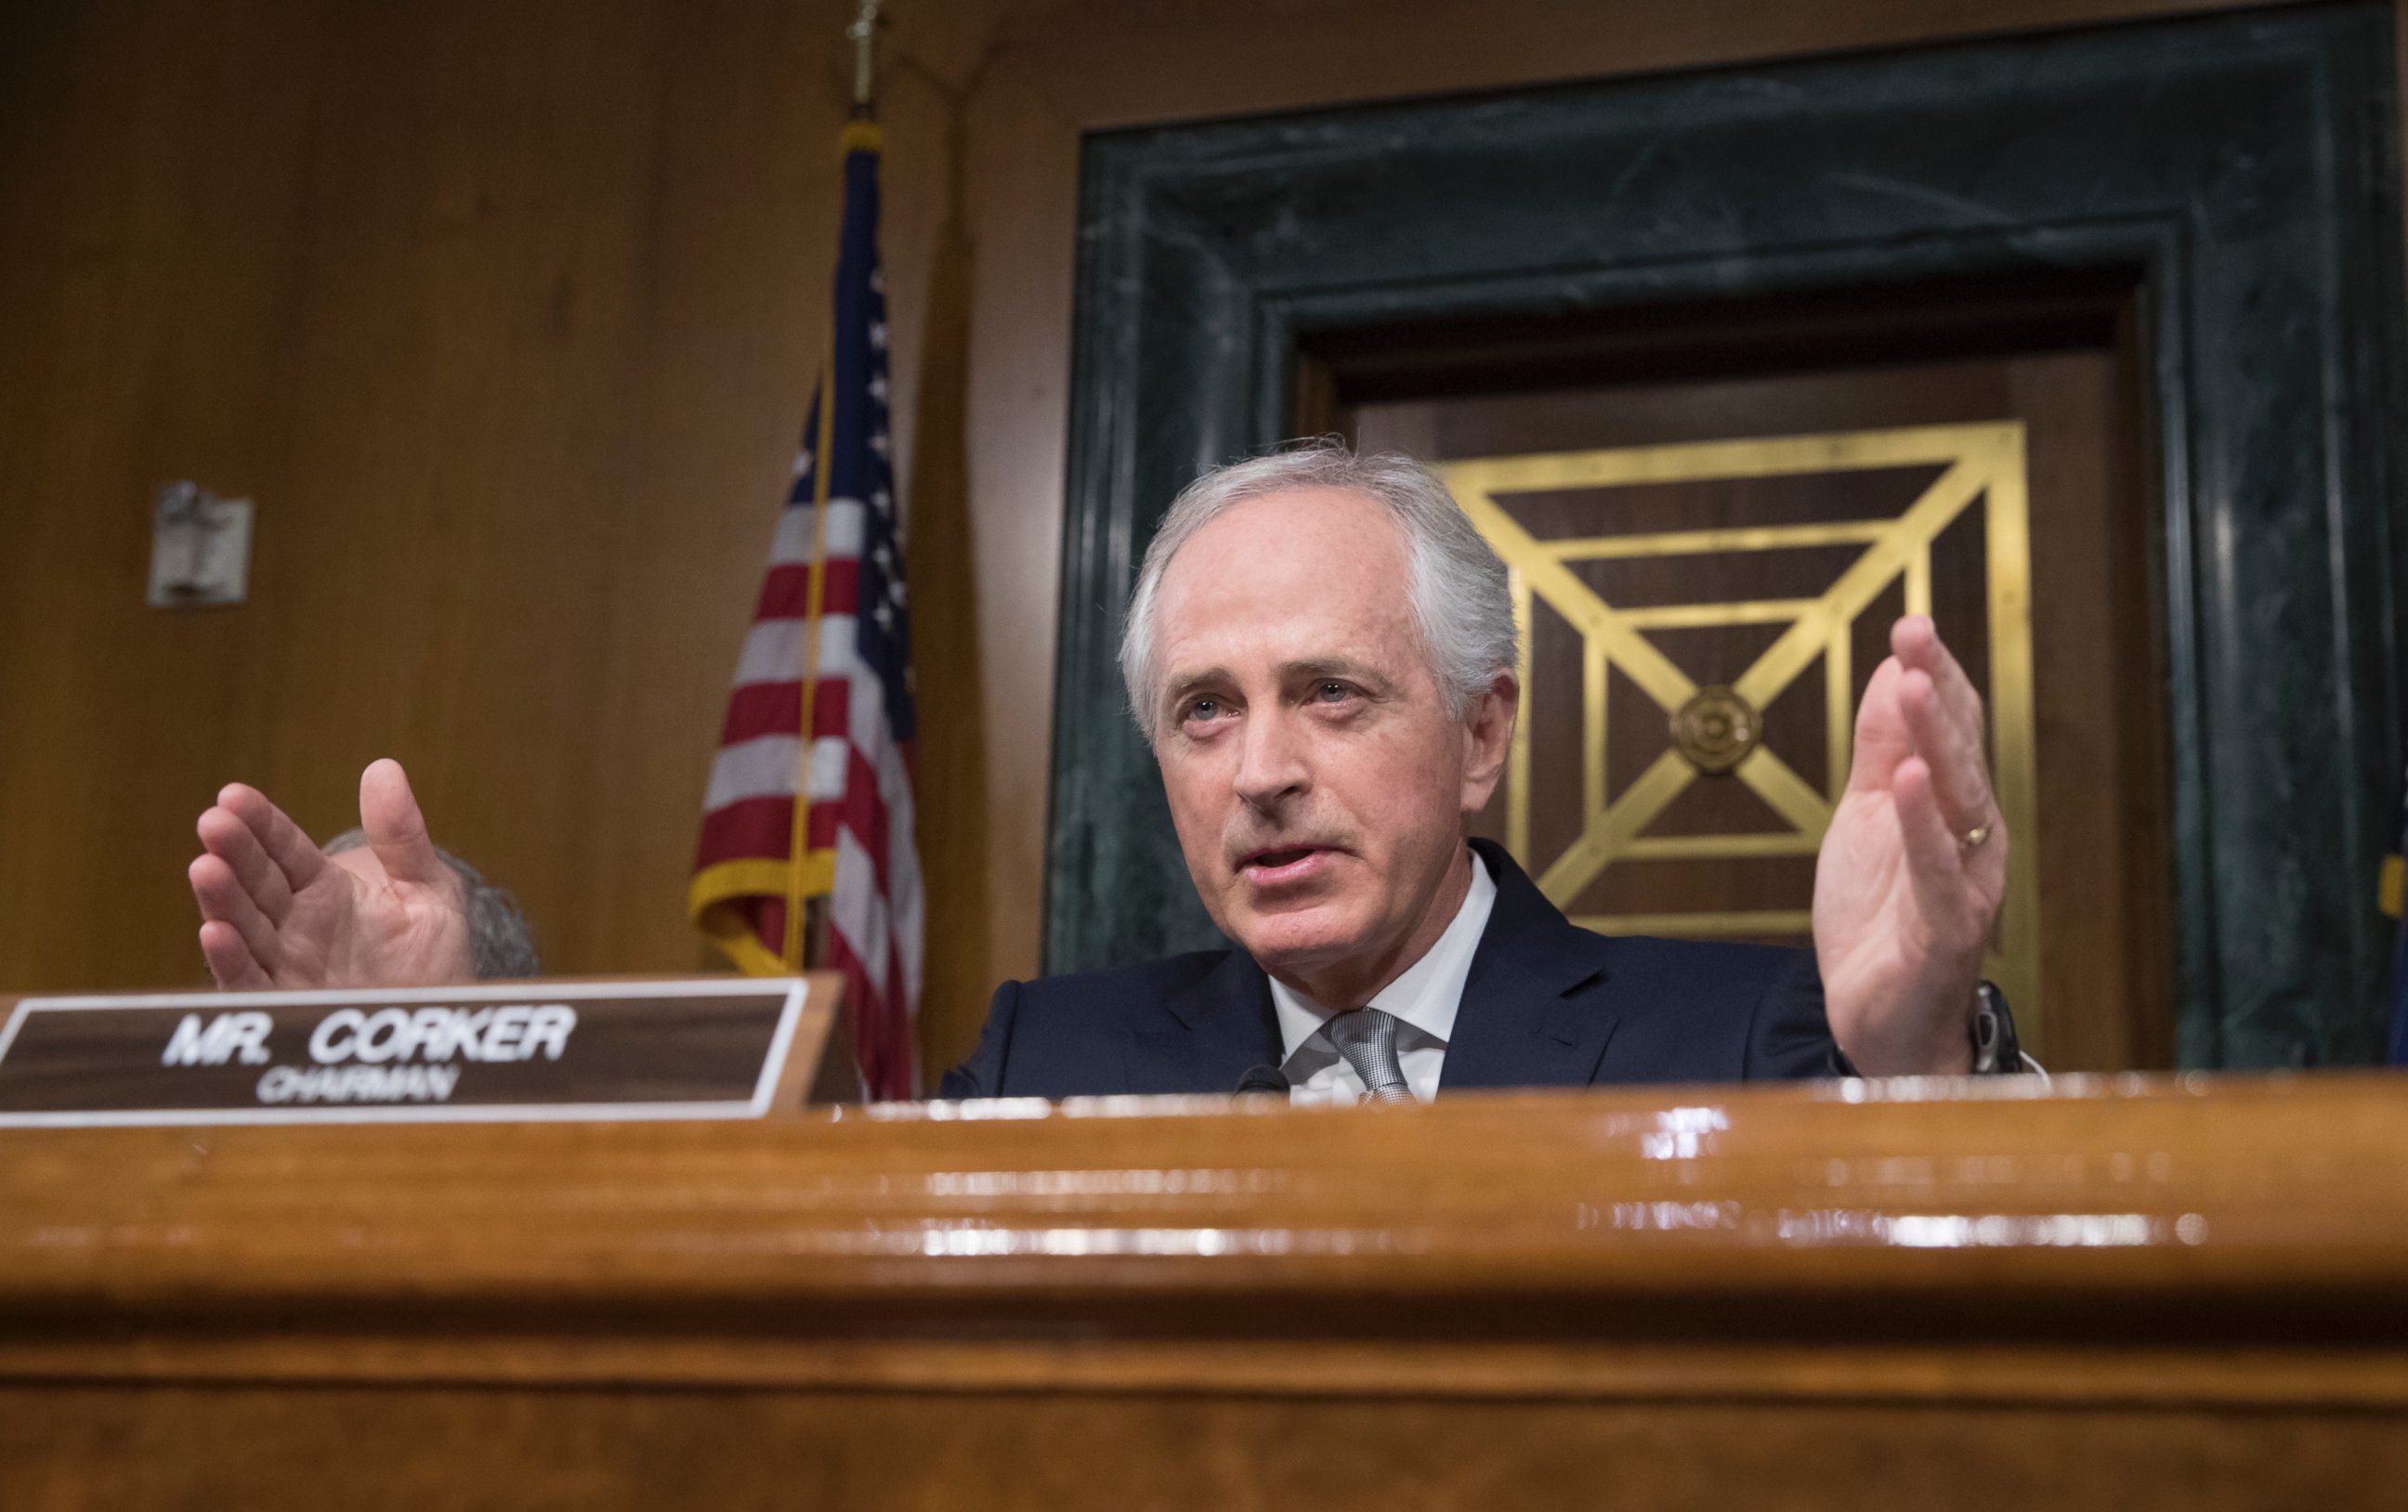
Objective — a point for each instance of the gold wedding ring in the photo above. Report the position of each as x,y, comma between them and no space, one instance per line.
1972,840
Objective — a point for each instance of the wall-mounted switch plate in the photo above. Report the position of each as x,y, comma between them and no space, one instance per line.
200,548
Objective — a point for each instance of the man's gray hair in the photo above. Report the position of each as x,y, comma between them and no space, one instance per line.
499,942
1457,586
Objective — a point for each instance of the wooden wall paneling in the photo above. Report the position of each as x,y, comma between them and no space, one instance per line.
1105,64
739,252
147,297
948,665
461,419
1023,205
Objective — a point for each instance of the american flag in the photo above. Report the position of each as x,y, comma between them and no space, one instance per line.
829,650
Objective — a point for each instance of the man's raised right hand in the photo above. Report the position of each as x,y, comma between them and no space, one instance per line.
278,912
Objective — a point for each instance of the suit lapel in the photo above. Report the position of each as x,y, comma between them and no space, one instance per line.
1208,1036
1534,1013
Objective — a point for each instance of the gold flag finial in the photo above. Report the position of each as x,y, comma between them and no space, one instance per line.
864,31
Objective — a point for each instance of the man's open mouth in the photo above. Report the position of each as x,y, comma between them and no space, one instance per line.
1279,858
1281,863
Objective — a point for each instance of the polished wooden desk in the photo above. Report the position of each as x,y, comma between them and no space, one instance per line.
2123,1294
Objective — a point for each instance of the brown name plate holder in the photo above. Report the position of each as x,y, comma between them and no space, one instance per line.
494,1052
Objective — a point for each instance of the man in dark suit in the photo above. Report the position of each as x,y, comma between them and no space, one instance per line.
1322,652
1547,1003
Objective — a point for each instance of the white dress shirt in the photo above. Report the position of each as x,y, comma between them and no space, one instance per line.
1424,1001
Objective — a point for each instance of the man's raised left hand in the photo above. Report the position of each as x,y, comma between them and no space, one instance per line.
1912,868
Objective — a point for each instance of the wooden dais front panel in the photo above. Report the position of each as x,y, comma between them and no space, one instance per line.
2120,1292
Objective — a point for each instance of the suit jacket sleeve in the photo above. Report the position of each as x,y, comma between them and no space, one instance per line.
982,1074
1790,1036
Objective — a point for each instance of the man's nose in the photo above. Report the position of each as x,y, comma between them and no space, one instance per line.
1271,765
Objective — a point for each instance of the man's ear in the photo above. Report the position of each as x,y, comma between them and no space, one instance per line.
1488,738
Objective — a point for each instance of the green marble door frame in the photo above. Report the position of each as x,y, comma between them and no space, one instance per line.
2241,167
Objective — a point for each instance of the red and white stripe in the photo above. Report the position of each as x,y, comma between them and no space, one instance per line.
859,782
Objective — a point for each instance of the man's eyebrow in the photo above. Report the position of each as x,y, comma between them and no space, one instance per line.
1333,666
1187,682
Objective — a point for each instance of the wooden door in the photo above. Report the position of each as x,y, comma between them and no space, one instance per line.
1712,521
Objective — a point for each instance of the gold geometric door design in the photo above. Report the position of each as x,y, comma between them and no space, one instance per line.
1714,732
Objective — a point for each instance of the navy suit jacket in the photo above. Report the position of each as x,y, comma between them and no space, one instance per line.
1547,1005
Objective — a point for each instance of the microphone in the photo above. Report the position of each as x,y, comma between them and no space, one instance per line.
1263,1078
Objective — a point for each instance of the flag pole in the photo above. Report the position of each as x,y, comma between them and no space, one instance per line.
864,31
799,842
796,949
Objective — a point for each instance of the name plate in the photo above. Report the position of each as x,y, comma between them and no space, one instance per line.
498,1053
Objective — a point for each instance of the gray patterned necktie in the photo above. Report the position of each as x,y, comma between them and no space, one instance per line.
1367,1038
